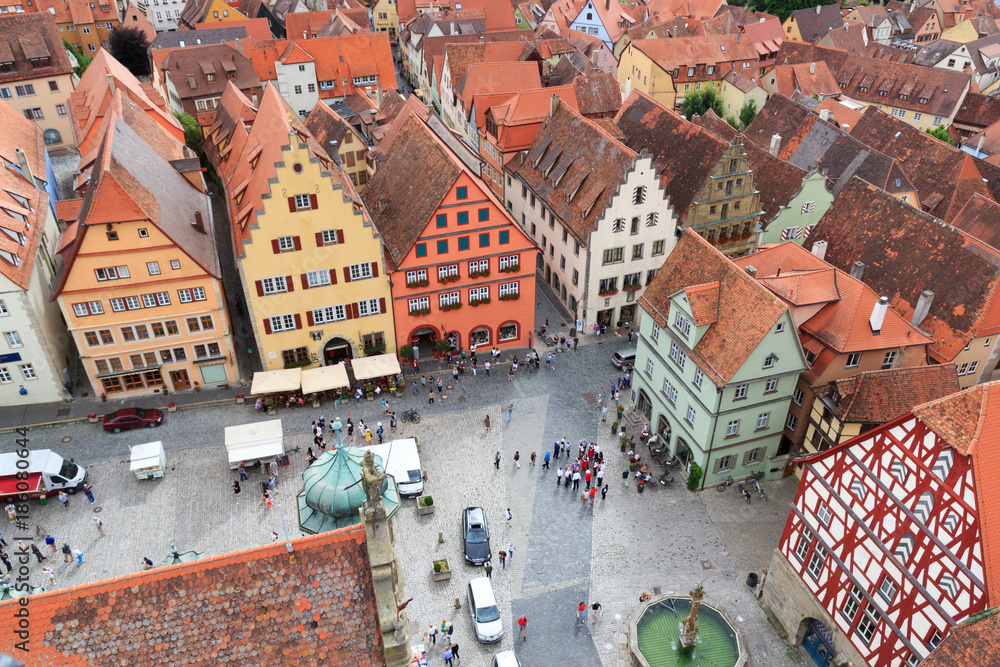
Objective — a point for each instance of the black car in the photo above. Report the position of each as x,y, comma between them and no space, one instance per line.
475,536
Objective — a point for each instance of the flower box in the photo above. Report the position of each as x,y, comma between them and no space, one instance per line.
479,302
419,312
510,297
480,274
608,292
418,283
452,306
171,407
513,268
632,288
441,570
93,418
449,279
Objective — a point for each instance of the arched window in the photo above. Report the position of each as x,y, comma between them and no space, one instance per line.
507,331
51,137
480,336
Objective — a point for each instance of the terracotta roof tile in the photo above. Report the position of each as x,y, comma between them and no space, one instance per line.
188,62
812,79
491,78
976,641
24,222
704,302
672,53
877,397
38,29
875,82
850,37
326,126
980,218
814,22
798,53
597,94
804,137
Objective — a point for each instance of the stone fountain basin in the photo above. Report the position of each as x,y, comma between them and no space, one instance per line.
654,635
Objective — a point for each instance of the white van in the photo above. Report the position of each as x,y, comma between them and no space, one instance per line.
485,611
403,464
47,473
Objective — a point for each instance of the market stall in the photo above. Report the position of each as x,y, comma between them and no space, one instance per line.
377,373
257,443
147,460
276,382
325,378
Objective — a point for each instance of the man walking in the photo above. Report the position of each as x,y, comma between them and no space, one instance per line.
523,622
556,449
503,559
576,480
489,571
510,409
447,657
604,491
243,473
432,632
510,552
64,499
487,367
496,460
99,526
47,571
76,553
89,492
38,553
559,474
545,462
67,552
6,561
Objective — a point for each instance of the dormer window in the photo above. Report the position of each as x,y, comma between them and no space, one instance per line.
923,100
862,90
769,361
7,66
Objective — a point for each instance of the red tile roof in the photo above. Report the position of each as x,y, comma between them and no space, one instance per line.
974,642
498,15
877,397
79,12
24,222
303,25
902,85
814,22
492,78
37,33
980,218
256,29
678,52
794,53
812,79
261,605
199,61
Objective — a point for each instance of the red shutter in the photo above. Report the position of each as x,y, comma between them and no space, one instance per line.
309,317
354,307
305,281
298,242
267,325
340,236
298,321
347,274
347,312
333,276
289,283
319,239
274,246
291,204
381,305
260,288
313,203
374,269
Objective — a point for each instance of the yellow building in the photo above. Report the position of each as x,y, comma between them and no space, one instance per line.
84,24
330,130
206,11
140,286
385,18
637,71
308,255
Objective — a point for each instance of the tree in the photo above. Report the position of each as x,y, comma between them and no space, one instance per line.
128,46
81,60
700,101
192,132
748,112
783,8
942,134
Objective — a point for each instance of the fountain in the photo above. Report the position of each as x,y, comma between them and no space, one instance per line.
689,636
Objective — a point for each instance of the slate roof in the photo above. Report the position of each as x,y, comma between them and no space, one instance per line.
198,61
905,252
976,641
746,312
877,397
173,38
575,166
684,153
904,85
34,33
804,136
814,22
935,52
848,157
564,73
795,53
980,218
900,52
260,605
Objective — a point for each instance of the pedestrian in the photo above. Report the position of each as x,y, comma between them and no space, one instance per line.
66,552
596,611
583,498
243,471
440,385
588,477
310,457
604,491
236,489
533,456
475,365
559,474
6,561
430,397
423,381
576,480
630,335
600,473
454,649
392,421
489,571
487,422
379,431
576,342
99,525
510,409
78,555
487,367
38,553
454,373
3,542
523,622
593,494
517,459
509,517
274,536
510,551
447,657
545,461
274,467
270,484
604,414
625,477
496,459
357,395
50,542
581,612
503,559
47,571
89,492
556,449
510,373
432,632
147,564
64,499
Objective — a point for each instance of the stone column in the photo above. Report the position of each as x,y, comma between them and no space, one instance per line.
387,578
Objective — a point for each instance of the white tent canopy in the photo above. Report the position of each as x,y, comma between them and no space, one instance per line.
375,367
327,377
275,382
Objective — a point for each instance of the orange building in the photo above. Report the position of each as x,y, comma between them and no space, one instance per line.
460,268
84,24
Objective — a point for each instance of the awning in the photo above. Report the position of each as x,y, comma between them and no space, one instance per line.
210,361
375,367
273,382
327,377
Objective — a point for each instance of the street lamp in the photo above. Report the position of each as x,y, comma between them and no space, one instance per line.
288,542
335,427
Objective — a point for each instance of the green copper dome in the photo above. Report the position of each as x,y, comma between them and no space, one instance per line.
332,495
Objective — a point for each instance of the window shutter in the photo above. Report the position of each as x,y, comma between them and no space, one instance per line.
291,204
298,242
260,288
354,307
340,236
309,317
319,239
381,305
267,325
305,281
333,276
374,269
298,321
347,274
347,312
274,246
717,466
313,203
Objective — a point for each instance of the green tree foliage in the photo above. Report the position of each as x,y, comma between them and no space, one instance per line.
81,60
940,133
694,477
192,132
700,101
128,46
784,8
748,112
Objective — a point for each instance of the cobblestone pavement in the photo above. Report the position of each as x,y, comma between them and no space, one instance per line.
565,552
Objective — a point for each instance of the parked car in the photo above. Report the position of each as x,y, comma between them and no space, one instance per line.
623,357
505,659
128,418
475,536
485,611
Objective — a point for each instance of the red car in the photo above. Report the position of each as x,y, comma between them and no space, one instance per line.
127,418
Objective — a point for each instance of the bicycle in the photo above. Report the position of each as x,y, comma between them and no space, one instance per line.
755,476
746,494
760,491
410,416
724,483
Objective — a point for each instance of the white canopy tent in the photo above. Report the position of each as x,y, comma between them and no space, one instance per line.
375,367
274,382
327,377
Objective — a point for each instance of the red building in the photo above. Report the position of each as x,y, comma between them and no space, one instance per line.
889,542
459,266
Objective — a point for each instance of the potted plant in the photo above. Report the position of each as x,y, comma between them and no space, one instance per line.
614,428
406,352
104,397
92,418
197,387
171,407
425,505
694,477
240,398
369,391
621,411
511,297
315,400
441,347
623,442
441,570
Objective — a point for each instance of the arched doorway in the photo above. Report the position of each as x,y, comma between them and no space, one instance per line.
548,274
423,340
337,349
682,453
817,641
663,430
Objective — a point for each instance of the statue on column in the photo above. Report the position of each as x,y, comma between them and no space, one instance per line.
373,486
689,634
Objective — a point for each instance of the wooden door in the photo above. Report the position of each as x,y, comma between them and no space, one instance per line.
180,380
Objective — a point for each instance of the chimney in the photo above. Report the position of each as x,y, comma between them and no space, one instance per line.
819,249
825,114
378,96
628,86
481,39
751,271
111,82
924,302
857,270
878,314
979,146
239,45
191,81
775,144
22,162
198,223
553,104
812,68
382,203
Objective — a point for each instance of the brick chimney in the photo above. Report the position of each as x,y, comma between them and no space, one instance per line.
198,223
553,104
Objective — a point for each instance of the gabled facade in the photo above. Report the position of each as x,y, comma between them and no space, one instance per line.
308,255
808,25
337,135
385,18
888,544
207,11
604,225
460,268
604,20
716,365
195,77
83,24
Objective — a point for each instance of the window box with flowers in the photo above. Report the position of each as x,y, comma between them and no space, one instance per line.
632,288
480,274
171,407
608,292
240,398
451,306
723,240
513,268
510,297
478,302
417,312
418,283
371,350
444,280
